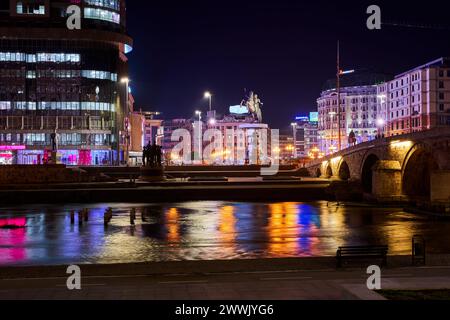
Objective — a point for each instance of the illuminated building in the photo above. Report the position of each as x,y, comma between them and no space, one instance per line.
358,110
144,130
417,99
68,82
305,134
240,138
243,139
286,149
243,142
166,133
153,132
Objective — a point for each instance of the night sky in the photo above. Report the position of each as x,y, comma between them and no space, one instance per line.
283,50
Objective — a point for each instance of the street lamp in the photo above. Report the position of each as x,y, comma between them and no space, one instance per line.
199,114
294,131
208,96
332,114
380,125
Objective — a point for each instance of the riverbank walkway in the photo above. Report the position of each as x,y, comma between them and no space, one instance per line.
232,282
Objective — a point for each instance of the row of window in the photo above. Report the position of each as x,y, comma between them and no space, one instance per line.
39,57
76,106
30,8
415,77
101,14
64,139
32,74
442,73
110,4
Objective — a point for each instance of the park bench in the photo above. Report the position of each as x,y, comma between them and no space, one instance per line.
362,253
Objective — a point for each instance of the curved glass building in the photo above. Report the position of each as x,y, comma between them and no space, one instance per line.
63,86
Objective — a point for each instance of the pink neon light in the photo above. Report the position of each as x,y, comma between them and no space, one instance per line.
12,148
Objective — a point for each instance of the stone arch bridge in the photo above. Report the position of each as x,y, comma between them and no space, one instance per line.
411,166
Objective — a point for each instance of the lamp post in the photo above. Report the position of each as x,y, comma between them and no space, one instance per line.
332,114
126,81
380,125
199,114
294,132
208,96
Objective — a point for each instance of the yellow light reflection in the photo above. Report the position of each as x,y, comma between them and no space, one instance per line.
401,144
173,226
227,226
282,229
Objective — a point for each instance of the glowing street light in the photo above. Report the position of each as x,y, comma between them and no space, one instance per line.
208,95
344,72
380,123
332,114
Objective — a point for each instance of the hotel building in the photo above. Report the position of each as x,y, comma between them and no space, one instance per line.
416,100
358,111
63,84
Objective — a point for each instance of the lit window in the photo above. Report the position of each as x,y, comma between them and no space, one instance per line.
19,9
30,9
100,14
110,4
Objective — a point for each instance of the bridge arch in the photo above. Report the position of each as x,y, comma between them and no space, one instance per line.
329,171
418,165
367,171
318,173
344,171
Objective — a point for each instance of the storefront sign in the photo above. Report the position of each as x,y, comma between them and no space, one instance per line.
12,148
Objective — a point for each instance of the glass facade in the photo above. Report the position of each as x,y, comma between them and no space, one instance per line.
110,4
30,8
57,87
101,14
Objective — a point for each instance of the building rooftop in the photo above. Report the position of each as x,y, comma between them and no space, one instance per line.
441,62
358,79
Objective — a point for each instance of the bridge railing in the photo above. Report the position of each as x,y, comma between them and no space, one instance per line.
421,135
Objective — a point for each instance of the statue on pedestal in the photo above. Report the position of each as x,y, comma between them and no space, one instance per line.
152,169
152,156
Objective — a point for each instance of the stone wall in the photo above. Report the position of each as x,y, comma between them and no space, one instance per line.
387,180
33,174
440,186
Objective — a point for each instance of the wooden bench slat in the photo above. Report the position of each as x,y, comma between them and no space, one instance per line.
361,252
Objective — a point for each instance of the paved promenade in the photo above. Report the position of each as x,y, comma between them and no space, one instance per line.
262,284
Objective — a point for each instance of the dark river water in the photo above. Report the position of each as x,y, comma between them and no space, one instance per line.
41,235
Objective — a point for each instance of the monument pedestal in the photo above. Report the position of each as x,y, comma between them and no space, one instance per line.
150,174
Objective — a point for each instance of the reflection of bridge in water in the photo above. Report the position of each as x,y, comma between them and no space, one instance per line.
411,166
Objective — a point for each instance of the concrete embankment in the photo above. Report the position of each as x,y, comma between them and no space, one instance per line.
206,267
171,192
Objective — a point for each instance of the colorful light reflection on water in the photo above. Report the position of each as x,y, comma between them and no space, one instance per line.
206,230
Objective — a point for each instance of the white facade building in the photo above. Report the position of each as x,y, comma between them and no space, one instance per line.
417,100
358,112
